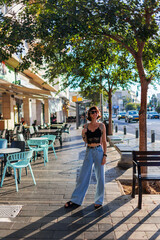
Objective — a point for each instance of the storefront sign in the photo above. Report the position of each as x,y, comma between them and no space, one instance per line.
74,98
79,99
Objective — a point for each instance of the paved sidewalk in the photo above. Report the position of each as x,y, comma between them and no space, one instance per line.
44,217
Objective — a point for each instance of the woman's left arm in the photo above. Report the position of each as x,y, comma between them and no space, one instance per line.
104,144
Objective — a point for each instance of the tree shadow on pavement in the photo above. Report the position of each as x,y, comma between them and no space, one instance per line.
71,224
74,223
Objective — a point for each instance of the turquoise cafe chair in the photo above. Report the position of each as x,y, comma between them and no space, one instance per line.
39,145
3,144
17,161
51,139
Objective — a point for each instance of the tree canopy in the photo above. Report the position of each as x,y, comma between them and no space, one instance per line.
14,30
133,24
94,66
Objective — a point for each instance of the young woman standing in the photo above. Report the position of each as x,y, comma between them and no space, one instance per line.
94,134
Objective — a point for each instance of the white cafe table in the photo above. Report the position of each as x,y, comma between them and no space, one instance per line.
7,151
38,138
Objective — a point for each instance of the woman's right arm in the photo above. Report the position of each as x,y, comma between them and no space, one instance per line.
84,134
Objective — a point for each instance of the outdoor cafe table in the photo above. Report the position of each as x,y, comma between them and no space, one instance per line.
56,132
39,138
7,151
123,147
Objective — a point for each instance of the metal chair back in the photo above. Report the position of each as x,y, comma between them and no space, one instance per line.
18,161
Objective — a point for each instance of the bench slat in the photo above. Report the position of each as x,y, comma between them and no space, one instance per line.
147,153
156,158
147,164
146,176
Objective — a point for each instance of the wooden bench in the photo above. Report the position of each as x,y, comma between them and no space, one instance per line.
114,139
144,159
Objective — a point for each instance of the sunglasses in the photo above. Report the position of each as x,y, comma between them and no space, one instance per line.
92,112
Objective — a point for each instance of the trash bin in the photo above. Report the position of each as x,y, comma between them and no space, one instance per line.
106,123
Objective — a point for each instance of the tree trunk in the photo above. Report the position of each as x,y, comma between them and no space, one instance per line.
110,112
142,115
143,109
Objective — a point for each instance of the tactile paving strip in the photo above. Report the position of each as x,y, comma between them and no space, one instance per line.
9,211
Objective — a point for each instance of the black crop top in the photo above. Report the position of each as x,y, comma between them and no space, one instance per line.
93,137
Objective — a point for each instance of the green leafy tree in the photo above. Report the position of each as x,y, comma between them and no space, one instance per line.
131,106
90,94
158,108
13,31
93,68
132,24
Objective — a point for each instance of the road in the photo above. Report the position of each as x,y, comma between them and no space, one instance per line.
152,124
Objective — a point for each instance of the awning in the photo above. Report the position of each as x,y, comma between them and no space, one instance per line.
23,91
34,77
40,82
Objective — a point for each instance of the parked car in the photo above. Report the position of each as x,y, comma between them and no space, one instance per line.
152,115
114,115
132,116
121,115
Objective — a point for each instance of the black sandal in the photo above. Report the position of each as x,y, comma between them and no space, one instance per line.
97,206
71,204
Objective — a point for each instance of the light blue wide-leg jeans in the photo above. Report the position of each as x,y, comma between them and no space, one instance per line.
93,155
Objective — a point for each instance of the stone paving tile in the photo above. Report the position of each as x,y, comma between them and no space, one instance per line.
104,227
138,213
143,227
150,219
6,225
153,235
43,220
19,225
117,214
4,233
99,235
118,220
123,235
69,235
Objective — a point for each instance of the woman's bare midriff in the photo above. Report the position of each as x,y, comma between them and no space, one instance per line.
93,145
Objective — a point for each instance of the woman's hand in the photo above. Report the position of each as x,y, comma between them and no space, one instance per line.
103,160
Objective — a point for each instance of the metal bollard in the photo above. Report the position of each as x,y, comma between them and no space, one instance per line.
125,130
116,128
137,133
152,136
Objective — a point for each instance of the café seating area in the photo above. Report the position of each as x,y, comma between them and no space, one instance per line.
22,145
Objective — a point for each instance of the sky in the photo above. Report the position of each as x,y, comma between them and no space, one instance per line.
151,91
